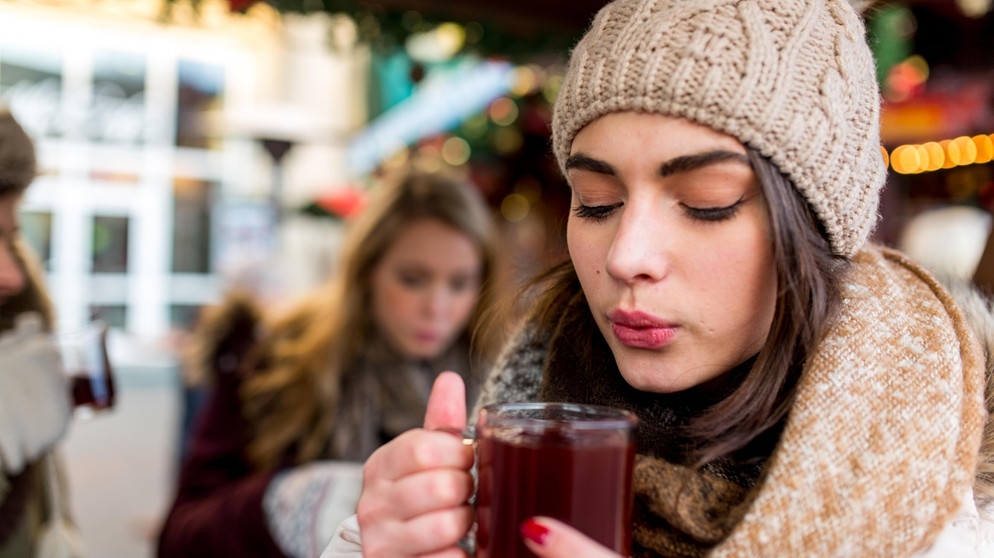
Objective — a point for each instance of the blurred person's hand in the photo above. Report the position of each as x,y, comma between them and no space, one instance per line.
34,395
415,498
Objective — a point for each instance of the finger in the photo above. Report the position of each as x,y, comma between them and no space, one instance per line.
447,403
417,495
415,451
432,534
549,538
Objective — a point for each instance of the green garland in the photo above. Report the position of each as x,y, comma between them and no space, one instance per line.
385,29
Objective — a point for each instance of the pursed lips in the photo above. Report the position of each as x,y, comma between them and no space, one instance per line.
639,330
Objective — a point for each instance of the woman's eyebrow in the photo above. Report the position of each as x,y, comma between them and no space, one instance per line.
687,163
583,162
676,165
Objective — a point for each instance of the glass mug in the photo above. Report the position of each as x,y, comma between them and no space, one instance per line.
567,461
88,368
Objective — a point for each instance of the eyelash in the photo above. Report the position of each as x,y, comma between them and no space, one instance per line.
709,214
713,214
595,212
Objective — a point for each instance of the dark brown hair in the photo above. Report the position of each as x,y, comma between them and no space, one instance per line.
808,277
18,165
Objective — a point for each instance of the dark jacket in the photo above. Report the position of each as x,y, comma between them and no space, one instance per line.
218,511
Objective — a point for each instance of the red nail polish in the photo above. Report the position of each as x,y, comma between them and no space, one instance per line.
534,531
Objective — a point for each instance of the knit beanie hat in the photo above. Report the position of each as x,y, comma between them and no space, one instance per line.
793,79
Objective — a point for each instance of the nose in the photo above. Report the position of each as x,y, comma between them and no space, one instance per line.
436,301
639,250
11,275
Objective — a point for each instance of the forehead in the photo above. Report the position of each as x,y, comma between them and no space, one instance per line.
432,243
619,131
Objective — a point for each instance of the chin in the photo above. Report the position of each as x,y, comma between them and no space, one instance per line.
424,353
651,378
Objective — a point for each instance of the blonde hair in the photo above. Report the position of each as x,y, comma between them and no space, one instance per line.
306,352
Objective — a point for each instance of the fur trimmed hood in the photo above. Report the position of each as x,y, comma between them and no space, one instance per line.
234,321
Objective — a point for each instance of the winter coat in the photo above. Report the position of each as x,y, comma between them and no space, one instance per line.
218,509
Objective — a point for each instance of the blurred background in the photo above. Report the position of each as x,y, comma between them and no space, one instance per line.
187,147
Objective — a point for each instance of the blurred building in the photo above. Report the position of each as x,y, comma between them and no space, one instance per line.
156,189
184,152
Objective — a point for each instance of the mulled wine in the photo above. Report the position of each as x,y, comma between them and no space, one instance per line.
573,463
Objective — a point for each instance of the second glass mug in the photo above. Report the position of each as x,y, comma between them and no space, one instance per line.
88,368
567,461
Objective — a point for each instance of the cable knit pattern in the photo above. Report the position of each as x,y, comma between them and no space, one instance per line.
794,79
883,439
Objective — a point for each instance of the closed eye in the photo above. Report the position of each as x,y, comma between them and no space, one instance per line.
712,214
595,212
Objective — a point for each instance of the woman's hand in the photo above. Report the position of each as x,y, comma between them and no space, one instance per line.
549,538
417,487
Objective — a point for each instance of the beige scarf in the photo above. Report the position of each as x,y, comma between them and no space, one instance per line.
882,442
874,458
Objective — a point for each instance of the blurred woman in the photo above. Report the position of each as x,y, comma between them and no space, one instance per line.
301,399
34,396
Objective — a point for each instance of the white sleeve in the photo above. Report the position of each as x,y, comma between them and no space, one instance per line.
964,536
304,505
35,405
346,543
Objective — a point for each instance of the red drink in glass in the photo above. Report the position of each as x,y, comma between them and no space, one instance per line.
570,462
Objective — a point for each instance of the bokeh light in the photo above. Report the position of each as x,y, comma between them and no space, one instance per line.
905,159
985,148
503,111
507,140
934,158
945,154
515,207
967,150
456,151
525,80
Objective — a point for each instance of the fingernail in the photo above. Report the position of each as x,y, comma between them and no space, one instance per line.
534,531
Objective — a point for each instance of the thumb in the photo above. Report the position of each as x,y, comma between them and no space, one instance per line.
447,403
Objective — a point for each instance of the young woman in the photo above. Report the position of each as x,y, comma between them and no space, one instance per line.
34,397
801,391
299,401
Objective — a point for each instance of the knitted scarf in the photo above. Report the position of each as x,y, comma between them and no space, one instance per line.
385,395
873,460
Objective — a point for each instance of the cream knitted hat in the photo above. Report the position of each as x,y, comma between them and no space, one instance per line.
793,79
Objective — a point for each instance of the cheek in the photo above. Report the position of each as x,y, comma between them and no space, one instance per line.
584,247
462,308
390,300
746,281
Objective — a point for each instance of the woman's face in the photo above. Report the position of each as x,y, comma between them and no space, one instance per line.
669,234
424,288
11,274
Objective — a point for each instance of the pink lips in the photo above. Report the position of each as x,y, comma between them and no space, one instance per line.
640,330
427,337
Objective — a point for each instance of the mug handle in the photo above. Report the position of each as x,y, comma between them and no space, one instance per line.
468,434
